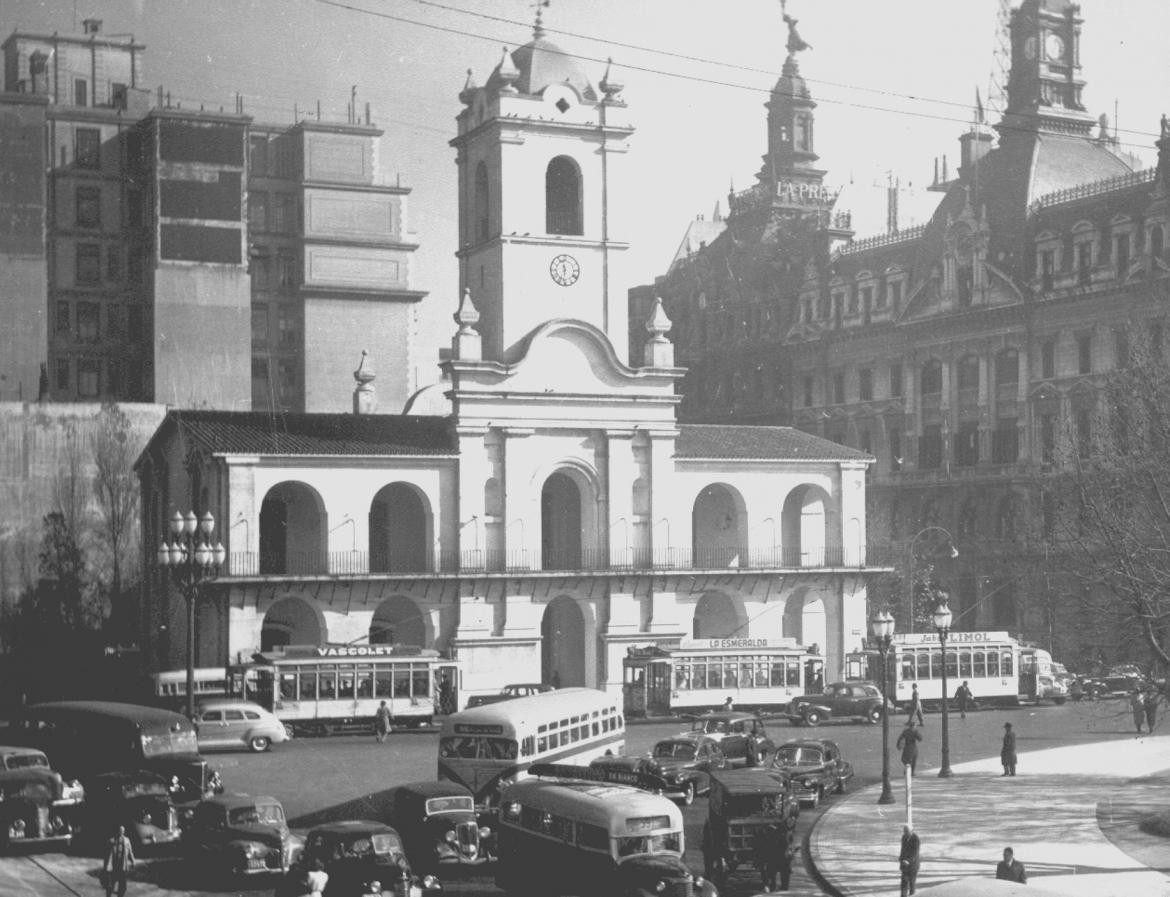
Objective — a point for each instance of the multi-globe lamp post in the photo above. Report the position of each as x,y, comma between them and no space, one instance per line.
942,625
191,559
882,627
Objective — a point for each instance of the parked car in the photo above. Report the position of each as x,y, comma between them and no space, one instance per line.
741,735
743,803
816,767
438,825
191,779
1119,686
236,724
355,853
237,834
839,700
516,690
37,807
139,801
686,762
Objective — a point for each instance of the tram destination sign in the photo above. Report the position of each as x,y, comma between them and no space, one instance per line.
733,644
953,638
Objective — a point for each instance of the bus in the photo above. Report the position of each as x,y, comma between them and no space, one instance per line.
1039,676
486,747
988,661
560,835
325,689
700,674
169,687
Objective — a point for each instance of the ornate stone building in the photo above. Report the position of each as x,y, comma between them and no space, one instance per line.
964,354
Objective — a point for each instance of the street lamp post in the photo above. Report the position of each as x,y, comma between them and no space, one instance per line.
882,627
942,624
191,559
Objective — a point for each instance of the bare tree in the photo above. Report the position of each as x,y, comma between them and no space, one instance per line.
70,489
115,489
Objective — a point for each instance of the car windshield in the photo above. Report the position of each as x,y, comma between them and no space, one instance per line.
753,804
677,750
709,725
450,804
24,761
797,755
259,814
478,748
668,843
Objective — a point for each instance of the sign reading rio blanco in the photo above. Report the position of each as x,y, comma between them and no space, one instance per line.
724,644
953,638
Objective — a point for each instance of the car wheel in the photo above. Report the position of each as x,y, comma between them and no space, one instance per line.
812,717
874,715
688,794
259,743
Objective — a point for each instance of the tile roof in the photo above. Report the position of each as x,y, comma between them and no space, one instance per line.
261,433
772,443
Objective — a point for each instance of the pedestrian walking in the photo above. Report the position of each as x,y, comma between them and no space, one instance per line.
316,879
382,722
1007,753
1011,869
1138,705
446,697
909,860
916,705
119,862
773,849
908,743
963,698
1150,705
728,704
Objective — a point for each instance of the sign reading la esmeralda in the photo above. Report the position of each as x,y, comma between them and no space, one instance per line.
953,638
734,644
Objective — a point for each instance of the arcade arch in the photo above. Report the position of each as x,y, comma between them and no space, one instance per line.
568,520
717,615
293,530
804,527
399,621
718,528
291,621
562,647
400,528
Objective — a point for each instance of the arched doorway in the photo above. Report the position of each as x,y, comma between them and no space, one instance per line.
292,530
399,528
718,528
290,621
398,621
562,651
718,616
804,526
560,523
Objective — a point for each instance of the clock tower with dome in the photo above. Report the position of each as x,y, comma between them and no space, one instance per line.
542,196
1044,91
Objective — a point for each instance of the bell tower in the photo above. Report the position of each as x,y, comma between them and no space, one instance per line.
542,196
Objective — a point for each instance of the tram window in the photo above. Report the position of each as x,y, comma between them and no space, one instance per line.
993,663
365,682
731,677
554,740
777,673
401,683
596,728
1005,663
700,674
952,664
792,672
575,734
965,663
345,684
635,675
682,676
308,683
420,681
936,663
288,686
923,660
978,664
327,685
761,674
714,674
383,683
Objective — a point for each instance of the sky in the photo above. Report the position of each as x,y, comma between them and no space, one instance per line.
895,84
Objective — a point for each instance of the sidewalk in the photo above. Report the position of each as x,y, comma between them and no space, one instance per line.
1051,814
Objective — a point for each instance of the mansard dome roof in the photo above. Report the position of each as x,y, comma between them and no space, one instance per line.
1064,161
541,63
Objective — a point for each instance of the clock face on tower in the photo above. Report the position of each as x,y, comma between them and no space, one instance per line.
564,270
1054,47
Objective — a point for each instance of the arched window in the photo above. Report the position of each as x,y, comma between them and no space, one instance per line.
482,202
1157,241
1007,368
968,372
562,197
932,378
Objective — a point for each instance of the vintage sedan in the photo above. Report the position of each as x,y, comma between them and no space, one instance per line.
138,801
191,778
745,805
815,766
685,762
508,692
237,834
354,853
238,724
742,736
840,700
37,806
439,826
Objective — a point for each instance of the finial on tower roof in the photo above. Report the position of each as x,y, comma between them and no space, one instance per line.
610,85
365,400
795,42
538,28
658,351
469,88
466,345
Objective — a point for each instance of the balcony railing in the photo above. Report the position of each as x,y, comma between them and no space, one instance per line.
616,559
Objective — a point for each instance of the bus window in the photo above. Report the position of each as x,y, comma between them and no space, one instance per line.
345,684
401,682
592,837
365,682
308,685
327,684
383,683
420,681
288,686
965,663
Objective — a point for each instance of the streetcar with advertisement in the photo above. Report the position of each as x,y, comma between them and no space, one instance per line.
328,689
701,673
989,662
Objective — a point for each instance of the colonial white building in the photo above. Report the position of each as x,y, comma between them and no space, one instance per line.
539,511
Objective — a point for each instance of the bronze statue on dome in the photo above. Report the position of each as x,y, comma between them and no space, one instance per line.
795,43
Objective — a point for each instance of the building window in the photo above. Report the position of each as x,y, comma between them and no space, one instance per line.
968,519
895,381
863,441
1047,438
286,269
1120,348
1005,442
894,291
284,218
482,199
932,378
87,148
965,278
89,263
88,322
562,197
61,323
1084,263
1007,369
968,373
118,95
258,210
1047,269
838,388
1121,254
89,207
114,377
89,375
63,373
260,369
286,373
284,159
1084,425
895,449
258,155
114,263
1048,358
286,321
80,92
930,448
1085,353
853,296
260,324
808,392
967,444
866,298
865,384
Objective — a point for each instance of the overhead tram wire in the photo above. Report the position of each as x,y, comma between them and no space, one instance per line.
338,4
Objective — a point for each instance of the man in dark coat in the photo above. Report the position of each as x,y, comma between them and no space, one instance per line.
773,850
382,720
908,860
1007,753
1011,869
908,743
963,698
119,862
916,705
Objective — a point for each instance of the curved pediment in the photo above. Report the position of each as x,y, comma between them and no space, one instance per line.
571,356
